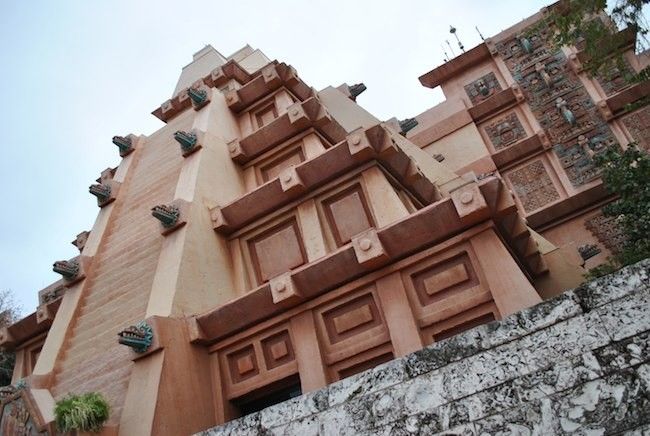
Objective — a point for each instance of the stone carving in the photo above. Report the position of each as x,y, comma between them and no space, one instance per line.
198,96
51,294
187,140
167,214
614,79
356,90
588,251
505,131
69,269
125,144
483,88
607,231
533,186
575,364
407,124
558,100
102,192
17,420
638,124
138,337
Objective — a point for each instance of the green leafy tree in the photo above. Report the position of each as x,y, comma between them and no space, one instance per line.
9,313
627,174
602,40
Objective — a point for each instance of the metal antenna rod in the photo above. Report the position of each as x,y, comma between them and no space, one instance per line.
452,30
479,33
450,48
445,52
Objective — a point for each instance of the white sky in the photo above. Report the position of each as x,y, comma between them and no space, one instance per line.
75,73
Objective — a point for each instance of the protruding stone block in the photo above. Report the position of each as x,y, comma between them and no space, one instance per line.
232,98
219,222
69,269
80,240
368,248
125,144
270,74
290,180
604,110
359,145
237,153
283,288
296,113
470,203
575,64
44,314
519,94
6,339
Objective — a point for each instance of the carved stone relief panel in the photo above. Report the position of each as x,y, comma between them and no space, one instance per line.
614,79
277,250
505,131
443,287
348,214
607,231
258,361
482,88
533,186
351,325
17,419
558,100
638,124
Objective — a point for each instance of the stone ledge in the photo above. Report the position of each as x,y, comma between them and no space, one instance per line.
577,363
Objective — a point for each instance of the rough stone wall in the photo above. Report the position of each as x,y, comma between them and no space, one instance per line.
577,364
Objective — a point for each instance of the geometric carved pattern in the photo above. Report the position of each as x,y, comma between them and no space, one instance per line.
607,231
275,167
533,186
575,157
505,131
348,214
558,100
638,124
277,349
614,79
445,280
482,88
277,250
351,318
242,364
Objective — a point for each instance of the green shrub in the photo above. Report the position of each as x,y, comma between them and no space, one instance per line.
86,412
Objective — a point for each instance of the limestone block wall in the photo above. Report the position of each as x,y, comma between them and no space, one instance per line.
577,364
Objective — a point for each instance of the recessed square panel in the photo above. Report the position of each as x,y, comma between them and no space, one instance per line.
277,349
444,280
348,214
351,318
265,115
275,167
277,250
242,364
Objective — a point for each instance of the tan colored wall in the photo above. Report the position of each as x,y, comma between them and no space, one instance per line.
460,148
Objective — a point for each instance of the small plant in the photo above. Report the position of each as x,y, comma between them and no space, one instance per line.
86,412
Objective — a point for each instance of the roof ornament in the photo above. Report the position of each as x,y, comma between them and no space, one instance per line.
187,140
167,214
452,30
69,269
356,90
407,124
138,337
101,191
125,144
479,33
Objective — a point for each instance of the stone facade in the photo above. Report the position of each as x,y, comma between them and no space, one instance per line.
576,364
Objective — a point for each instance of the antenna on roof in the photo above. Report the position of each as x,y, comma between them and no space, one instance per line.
452,30
445,52
450,49
479,33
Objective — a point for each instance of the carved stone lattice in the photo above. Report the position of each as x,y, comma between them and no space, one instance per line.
505,131
558,100
588,251
482,88
533,186
638,124
607,231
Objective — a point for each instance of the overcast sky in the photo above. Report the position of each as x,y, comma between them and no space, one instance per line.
75,73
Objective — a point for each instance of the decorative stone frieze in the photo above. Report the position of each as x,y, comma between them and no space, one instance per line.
575,364
138,337
505,131
638,125
482,88
607,231
533,186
